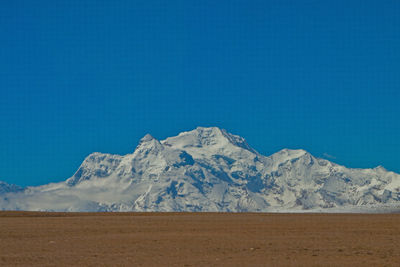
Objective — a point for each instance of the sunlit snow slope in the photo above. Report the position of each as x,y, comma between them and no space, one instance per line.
209,169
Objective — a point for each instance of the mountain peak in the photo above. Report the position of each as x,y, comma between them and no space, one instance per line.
213,129
148,142
206,132
286,154
148,137
293,153
202,137
380,168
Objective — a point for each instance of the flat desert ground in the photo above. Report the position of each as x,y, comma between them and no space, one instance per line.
198,239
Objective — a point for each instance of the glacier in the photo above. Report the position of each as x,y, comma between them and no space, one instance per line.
209,169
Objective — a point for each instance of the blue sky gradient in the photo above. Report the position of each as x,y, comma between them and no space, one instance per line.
83,76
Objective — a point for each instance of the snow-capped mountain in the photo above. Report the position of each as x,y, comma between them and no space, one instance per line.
209,169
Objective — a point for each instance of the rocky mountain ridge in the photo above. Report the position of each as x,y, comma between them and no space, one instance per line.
209,169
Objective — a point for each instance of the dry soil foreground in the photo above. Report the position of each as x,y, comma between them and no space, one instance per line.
199,239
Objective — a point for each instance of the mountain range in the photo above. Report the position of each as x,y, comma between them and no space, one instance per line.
209,169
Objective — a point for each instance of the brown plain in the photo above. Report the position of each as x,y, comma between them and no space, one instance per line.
198,239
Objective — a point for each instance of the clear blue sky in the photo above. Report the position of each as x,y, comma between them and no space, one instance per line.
81,76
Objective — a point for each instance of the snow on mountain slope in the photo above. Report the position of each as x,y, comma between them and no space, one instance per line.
8,188
209,169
